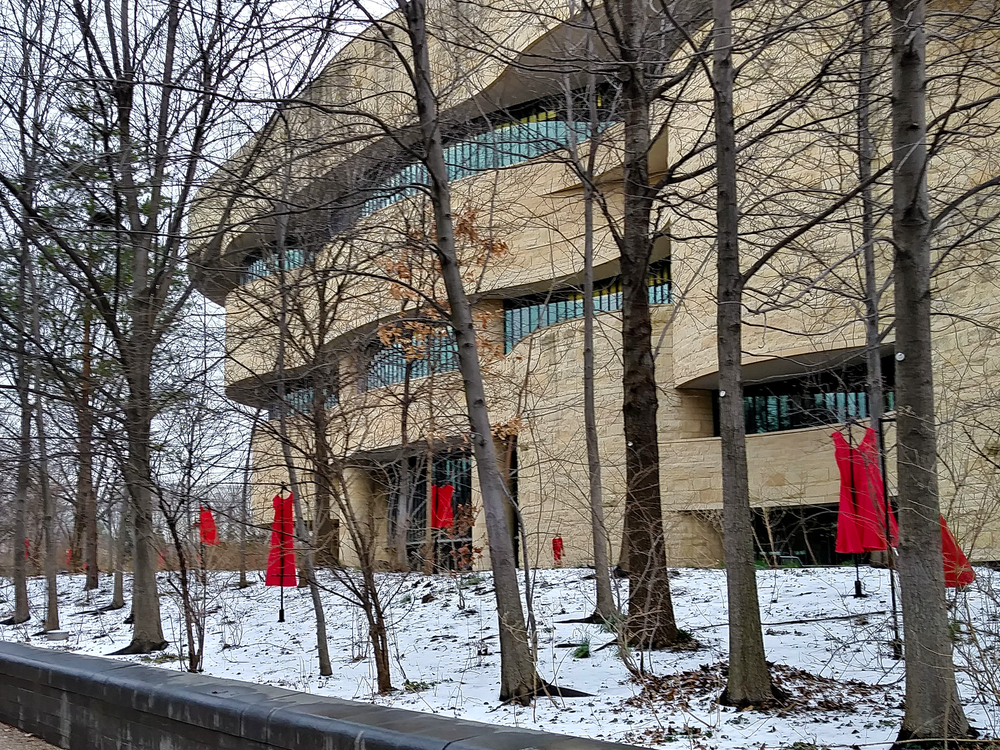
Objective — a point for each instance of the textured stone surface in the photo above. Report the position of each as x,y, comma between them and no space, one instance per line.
89,703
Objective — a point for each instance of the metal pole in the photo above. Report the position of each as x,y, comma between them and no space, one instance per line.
281,553
897,643
858,590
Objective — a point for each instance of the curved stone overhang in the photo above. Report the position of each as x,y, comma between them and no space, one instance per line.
781,365
540,70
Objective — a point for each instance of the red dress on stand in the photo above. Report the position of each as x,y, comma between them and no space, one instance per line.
281,556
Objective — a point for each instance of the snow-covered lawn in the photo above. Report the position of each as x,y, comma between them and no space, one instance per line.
446,660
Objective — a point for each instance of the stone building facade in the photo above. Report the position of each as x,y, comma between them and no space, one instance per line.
318,230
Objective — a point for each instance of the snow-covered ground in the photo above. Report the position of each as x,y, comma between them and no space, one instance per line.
830,651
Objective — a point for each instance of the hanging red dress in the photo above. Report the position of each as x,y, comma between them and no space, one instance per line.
871,497
861,517
207,530
848,530
443,515
281,556
957,570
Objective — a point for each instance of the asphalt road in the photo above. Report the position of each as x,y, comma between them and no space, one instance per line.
12,739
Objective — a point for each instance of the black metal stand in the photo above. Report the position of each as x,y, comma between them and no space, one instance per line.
281,565
897,642
859,592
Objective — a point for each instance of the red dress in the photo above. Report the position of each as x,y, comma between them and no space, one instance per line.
281,556
861,518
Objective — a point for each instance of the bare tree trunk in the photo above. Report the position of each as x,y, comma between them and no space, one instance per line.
307,568
518,679
306,557
21,608
118,597
147,630
651,621
324,534
245,505
933,709
48,502
85,496
605,609
748,681
404,503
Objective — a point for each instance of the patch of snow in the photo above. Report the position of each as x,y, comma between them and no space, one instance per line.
445,652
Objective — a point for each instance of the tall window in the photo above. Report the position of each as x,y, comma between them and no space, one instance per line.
525,315
412,355
828,397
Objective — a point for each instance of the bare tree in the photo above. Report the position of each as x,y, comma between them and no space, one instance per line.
748,681
933,709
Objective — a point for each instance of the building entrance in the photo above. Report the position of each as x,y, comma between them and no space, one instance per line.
431,502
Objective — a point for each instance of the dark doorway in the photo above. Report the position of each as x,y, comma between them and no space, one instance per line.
796,535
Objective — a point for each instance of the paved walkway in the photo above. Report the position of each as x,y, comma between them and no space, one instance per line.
12,739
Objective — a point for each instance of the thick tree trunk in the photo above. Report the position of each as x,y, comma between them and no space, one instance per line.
518,679
147,630
933,709
651,621
748,681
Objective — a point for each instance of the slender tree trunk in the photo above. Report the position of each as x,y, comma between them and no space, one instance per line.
933,709
245,505
306,557
21,608
866,153
404,502
748,681
48,502
118,596
605,609
85,496
307,568
326,552
378,634
651,622
518,679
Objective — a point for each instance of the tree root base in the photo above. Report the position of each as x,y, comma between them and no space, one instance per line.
140,647
15,620
907,741
593,619
777,699
544,690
